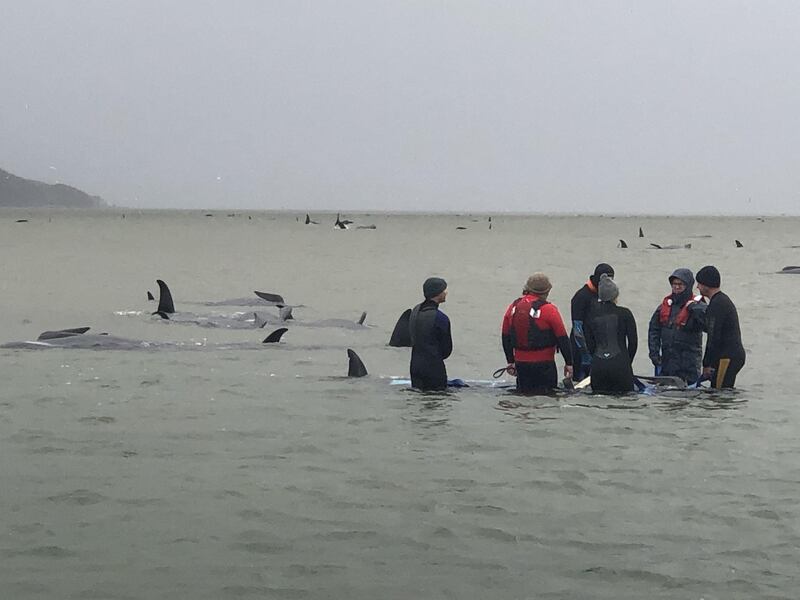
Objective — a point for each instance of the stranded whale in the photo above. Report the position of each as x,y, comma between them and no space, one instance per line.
78,338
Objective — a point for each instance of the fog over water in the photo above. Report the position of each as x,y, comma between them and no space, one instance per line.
240,471
611,107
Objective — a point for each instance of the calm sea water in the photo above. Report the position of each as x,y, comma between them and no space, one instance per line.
263,472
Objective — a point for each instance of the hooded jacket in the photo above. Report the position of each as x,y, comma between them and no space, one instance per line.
678,349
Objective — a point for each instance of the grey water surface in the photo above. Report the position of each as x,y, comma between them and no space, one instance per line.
250,471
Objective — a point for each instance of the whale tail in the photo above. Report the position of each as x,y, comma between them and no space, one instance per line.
355,367
165,304
275,336
622,244
401,336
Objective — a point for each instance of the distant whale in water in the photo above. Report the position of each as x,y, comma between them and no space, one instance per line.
166,310
78,338
791,270
670,247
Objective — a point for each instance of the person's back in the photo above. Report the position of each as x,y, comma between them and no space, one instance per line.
612,339
580,309
675,331
431,341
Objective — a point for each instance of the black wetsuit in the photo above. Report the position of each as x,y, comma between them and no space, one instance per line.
431,343
724,350
582,303
611,337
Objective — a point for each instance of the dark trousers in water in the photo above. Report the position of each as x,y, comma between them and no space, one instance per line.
536,376
612,375
725,372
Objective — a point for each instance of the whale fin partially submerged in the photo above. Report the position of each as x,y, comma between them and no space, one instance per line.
622,244
259,322
165,303
62,333
363,318
355,366
274,298
150,296
739,244
641,233
401,336
275,336
654,245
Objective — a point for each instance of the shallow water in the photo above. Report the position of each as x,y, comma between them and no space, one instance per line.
245,471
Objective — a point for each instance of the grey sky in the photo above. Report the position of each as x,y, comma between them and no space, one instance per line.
626,107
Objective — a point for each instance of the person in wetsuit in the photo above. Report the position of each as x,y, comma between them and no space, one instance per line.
582,303
724,356
611,338
532,329
431,342
675,333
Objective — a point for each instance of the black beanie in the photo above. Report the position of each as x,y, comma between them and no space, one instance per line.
709,276
599,270
433,286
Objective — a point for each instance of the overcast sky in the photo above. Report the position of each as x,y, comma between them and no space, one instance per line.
592,106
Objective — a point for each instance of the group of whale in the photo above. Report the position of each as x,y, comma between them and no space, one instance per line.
77,337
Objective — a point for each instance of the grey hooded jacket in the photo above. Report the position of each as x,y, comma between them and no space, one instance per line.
678,350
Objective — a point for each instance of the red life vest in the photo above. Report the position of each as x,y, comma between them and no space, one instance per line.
524,330
683,315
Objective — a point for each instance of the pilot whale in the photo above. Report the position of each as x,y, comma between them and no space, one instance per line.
791,270
78,338
166,310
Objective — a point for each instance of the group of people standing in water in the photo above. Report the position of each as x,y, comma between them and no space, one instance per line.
603,340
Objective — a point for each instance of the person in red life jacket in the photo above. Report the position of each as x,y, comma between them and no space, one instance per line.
611,337
532,329
582,303
725,355
675,333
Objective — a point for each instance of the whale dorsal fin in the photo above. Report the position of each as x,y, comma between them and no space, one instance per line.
622,244
641,233
739,244
401,337
655,245
150,296
363,318
62,333
355,367
285,313
165,304
275,336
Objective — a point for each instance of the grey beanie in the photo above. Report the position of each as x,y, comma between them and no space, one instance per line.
433,286
607,290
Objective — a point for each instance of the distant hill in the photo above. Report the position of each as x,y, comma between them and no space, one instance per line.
27,193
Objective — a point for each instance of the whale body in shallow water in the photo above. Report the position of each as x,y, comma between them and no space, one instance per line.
78,338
